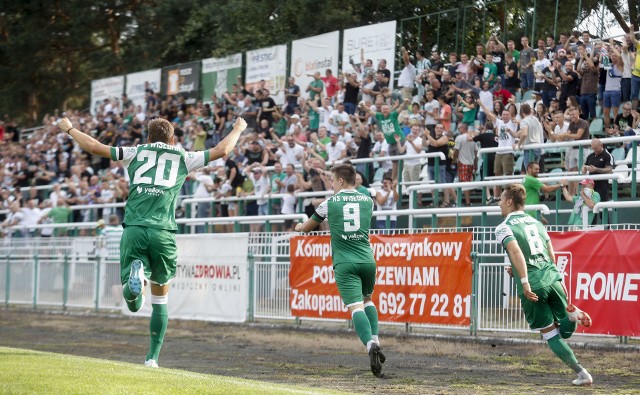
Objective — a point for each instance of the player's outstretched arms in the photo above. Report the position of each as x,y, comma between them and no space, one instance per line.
85,141
307,226
225,147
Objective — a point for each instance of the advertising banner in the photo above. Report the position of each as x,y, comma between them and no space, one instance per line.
105,88
212,282
422,278
378,42
312,54
267,68
138,83
182,80
602,277
219,75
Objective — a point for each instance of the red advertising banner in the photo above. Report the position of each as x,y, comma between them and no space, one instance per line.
601,272
422,278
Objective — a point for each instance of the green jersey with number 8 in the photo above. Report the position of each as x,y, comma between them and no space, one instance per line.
156,172
532,238
349,214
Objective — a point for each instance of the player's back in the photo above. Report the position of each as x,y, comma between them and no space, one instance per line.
532,239
157,172
349,216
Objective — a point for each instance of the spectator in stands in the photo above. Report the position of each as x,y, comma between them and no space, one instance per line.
467,109
613,85
599,161
407,77
59,214
487,138
506,131
261,187
490,71
578,130
14,218
315,87
388,122
205,187
411,146
533,186
336,149
497,50
338,117
437,143
445,113
289,206
386,200
530,133
587,68
352,89
625,122
290,152
431,111
331,85
550,76
465,157
526,62
539,67
585,201
291,96
569,80
437,65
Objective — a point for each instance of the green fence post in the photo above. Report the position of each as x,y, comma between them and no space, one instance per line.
251,266
65,282
473,327
36,265
98,267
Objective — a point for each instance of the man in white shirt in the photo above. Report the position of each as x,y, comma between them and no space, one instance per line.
530,133
203,190
381,148
407,77
561,127
344,136
324,113
412,146
290,152
294,121
338,117
31,215
336,149
431,111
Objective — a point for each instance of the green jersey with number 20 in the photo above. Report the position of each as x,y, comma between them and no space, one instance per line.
156,172
349,215
532,238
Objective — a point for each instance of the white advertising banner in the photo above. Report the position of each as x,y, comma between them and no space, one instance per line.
212,279
268,65
137,83
219,75
105,88
311,54
378,42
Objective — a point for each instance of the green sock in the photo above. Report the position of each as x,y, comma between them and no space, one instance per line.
562,350
362,325
372,315
157,329
567,327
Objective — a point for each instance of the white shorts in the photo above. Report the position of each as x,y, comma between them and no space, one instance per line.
571,157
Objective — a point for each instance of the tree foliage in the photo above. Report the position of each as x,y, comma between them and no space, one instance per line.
50,50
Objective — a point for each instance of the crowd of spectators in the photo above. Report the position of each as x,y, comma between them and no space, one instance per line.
474,100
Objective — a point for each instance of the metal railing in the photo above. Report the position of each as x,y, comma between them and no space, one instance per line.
83,272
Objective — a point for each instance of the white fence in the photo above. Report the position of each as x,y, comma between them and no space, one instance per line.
82,272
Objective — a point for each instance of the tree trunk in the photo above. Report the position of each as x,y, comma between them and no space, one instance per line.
613,7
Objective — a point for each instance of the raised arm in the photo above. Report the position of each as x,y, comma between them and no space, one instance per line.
85,141
225,147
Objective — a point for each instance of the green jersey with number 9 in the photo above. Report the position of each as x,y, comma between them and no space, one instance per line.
349,214
156,172
532,239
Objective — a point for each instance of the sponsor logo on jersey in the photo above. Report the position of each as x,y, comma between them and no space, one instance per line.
153,191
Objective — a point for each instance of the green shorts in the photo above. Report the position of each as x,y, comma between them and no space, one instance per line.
355,281
550,307
157,250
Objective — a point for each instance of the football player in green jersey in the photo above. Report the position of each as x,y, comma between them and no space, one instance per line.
538,282
148,245
349,215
